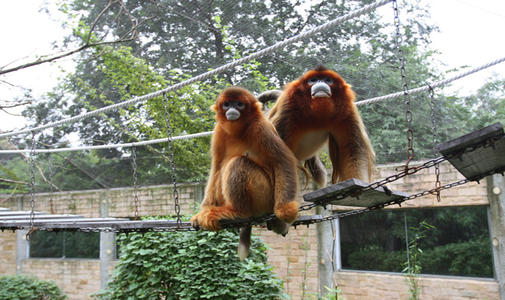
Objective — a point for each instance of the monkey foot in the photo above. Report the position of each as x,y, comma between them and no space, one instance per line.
208,219
287,212
278,226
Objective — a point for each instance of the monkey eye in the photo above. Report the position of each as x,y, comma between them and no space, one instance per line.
240,105
312,81
328,80
226,105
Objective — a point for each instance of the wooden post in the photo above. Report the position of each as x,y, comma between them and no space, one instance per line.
324,253
496,217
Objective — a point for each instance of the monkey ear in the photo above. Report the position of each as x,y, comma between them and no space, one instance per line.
349,92
214,107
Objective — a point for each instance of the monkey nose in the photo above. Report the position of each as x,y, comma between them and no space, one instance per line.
320,90
232,114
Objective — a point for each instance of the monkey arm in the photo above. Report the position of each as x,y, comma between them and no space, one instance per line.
350,150
213,191
277,157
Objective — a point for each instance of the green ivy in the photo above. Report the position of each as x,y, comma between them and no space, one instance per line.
21,287
190,265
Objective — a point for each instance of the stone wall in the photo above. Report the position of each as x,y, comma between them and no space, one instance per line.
294,257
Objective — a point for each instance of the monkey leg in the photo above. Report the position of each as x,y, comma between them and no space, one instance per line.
317,170
246,192
247,188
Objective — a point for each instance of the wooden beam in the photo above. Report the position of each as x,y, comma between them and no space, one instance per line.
354,195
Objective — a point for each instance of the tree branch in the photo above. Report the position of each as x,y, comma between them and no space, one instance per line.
129,36
12,181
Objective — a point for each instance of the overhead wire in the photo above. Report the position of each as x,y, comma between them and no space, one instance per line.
420,89
208,74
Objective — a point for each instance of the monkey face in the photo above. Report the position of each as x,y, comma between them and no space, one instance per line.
320,86
232,109
321,93
236,104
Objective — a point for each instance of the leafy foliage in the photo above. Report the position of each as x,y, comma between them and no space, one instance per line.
190,265
21,287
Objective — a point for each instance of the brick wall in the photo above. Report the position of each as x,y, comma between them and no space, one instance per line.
7,253
76,277
119,202
377,285
294,257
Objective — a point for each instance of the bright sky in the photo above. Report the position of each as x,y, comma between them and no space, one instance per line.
471,34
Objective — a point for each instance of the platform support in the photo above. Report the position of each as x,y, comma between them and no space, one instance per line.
324,253
107,244
496,217
22,249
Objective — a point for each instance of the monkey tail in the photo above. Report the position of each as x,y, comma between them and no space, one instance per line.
307,175
244,242
317,170
270,95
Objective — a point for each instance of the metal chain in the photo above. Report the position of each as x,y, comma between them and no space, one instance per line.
408,112
435,141
32,188
308,206
135,187
169,133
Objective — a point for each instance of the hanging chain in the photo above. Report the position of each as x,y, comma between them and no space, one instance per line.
135,187
435,141
51,189
32,188
169,133
408,112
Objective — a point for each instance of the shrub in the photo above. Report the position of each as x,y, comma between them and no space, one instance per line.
190,265
21,287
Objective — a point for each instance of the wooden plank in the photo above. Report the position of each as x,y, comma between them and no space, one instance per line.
307,220
17,213
359,199
63,221
470,139
105,223
37,217
482,160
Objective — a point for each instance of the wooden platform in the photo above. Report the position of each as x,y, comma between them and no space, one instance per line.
14,220
477,154
350,193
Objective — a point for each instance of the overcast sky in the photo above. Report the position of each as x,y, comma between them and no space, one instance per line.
471,34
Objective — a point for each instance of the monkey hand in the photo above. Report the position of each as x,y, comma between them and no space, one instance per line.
287,212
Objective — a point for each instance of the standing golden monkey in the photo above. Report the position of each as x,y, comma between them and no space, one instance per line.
253,172
317,108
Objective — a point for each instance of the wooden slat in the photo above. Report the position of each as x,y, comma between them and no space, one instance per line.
359,199
481,161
